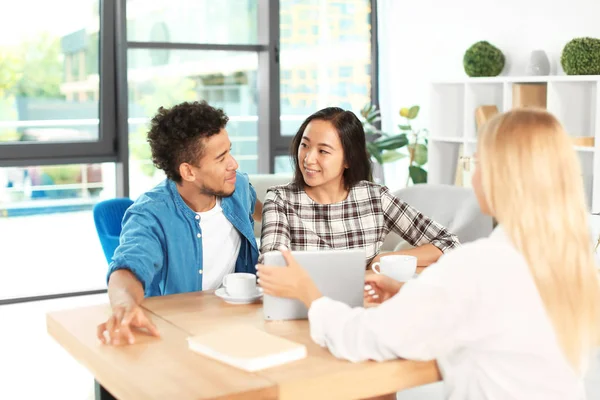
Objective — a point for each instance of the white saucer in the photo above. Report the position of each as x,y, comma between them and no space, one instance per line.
238,300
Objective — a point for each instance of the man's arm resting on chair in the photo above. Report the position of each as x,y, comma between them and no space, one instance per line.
126,293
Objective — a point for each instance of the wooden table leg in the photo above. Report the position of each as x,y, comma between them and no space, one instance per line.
101,393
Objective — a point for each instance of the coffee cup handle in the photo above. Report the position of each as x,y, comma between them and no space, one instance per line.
225,281
373,267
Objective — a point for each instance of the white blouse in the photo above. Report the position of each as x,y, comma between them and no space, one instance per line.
476,311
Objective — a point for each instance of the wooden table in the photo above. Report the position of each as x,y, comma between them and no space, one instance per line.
166,369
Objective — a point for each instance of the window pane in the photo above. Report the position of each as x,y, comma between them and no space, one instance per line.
224,79
48,238
284,165
197,21
49,85
325,57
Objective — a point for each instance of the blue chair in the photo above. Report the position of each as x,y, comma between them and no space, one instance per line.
108,215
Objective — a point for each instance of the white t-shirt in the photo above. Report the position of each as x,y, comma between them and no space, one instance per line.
220,246
477,312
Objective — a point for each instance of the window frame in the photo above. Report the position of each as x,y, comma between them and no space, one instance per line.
280,145
113,142
77,152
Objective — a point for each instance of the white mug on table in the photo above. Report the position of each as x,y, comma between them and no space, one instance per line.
399,267
240,285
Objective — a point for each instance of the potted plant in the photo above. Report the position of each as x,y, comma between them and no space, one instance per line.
483,59
581,56
417,146
383,148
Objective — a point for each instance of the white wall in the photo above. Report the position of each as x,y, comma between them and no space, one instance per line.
421,41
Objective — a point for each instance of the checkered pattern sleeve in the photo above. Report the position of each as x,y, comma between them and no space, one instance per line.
275,225
413,226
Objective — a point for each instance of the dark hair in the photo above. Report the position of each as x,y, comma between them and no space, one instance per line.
175,132
352,136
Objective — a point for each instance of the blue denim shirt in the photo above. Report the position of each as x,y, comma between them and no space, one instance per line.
161,241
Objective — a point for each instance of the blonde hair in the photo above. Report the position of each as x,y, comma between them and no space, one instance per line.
531,179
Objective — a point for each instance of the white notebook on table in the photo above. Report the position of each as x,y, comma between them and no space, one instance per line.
246,347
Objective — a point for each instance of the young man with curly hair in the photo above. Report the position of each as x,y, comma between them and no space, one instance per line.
192,229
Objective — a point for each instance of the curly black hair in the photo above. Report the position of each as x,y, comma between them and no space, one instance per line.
175,132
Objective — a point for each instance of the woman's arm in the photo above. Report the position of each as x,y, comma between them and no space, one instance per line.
426,254
420,323
258,211
429,238
275,227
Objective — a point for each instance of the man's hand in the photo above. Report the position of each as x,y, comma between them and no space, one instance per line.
379,288
118,329
126,294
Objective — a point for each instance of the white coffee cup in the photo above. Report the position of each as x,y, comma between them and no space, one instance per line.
240,284
399,267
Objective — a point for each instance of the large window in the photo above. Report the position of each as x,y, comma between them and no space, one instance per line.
325,57
50,110
50,85
47,234
224,79
196,21
325,60
49,89
78,88
164,74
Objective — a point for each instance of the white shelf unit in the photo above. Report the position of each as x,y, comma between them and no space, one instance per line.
574,100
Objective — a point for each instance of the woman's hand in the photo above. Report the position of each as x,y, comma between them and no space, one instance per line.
291,281
376,259
379,288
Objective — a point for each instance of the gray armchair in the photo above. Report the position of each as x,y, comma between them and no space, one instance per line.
261,182
454,207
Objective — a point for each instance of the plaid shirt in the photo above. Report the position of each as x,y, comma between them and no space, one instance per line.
363,220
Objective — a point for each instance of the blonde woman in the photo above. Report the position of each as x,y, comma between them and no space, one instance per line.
512,316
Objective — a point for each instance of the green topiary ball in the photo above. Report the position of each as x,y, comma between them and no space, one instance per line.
581,56
483,59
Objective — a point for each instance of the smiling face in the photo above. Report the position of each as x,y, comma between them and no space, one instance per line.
214,173
320,155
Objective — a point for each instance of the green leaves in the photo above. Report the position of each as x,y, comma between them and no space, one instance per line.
483,59
370,113
581,56
41,69
413,112
392,142
409,113
10,71
420,153
375,152
383,149
391,156
417,174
